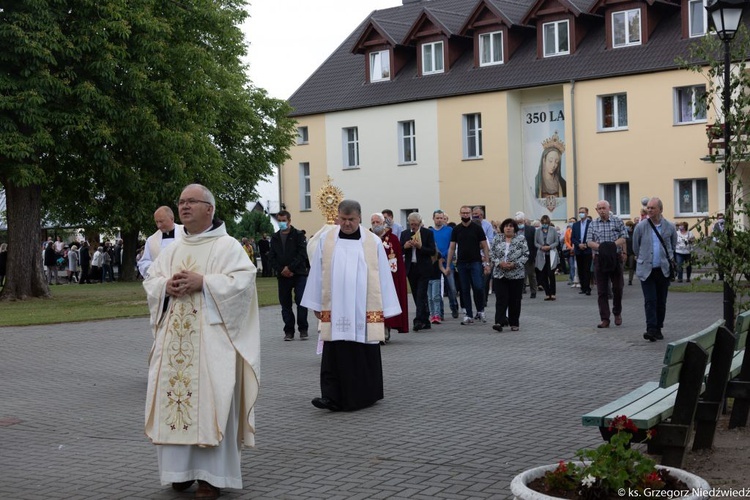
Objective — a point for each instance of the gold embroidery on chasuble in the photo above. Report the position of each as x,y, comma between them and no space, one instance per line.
179,382
375,317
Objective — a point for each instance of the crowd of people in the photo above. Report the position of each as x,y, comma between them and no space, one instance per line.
79,262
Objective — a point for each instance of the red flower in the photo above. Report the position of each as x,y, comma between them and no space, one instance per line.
622,423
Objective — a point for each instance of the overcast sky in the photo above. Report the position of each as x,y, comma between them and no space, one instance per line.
289,39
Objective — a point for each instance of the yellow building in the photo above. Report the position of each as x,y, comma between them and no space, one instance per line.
539,106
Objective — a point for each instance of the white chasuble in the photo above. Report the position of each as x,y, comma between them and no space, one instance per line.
206,345
350,283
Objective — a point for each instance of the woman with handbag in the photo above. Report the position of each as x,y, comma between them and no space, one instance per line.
684,251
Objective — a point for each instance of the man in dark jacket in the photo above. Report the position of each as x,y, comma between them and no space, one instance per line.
85,263
579,234
288,258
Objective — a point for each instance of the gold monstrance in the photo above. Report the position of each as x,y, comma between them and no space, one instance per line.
329,198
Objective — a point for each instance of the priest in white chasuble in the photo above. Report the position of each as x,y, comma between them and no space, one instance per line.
351,290
204,365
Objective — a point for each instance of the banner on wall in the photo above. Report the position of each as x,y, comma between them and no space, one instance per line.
544,173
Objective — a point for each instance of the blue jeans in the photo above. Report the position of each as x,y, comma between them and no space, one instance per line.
450,289
434,298
572,265
655,289
294,284
683,258
472,279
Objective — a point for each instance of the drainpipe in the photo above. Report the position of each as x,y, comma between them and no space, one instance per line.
573,142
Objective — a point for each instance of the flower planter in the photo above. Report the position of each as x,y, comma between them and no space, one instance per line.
520,491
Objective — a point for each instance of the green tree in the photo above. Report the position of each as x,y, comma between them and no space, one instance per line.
252,225
727,252
113,106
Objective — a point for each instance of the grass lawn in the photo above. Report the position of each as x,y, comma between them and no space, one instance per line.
71,303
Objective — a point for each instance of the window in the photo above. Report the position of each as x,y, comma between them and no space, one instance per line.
613,112
304,187
697,18
432,58
690,104
626,28
556,39
301,135
380,66
407,142
618,196
491,48
472,136
351,147
692,196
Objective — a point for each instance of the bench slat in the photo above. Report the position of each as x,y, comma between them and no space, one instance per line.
675,352
741,328
656,413
596,417
646,408
736,364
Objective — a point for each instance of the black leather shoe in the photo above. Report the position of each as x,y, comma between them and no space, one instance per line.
533,295
588,292
650,336
417,327
658,335
182,486
325,404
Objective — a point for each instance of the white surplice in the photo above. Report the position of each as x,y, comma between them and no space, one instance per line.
349,270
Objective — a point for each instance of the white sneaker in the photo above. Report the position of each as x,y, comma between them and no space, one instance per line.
467,321
482,317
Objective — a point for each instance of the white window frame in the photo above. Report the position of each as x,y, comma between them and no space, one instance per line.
557,26
625,14
350,143
380,66
305,198
407,142
616,115
694,193
437,65
484,39
302,135
472,136
697,106
704,14
615,205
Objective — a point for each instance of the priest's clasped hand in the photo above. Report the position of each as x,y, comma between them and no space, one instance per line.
184,283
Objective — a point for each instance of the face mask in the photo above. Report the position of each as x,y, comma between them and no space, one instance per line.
581,215
521,226
476,219
378,229
283,226
465,219
545,226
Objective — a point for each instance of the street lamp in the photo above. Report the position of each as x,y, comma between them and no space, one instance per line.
726,16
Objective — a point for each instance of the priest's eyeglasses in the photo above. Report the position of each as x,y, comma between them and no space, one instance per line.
190,202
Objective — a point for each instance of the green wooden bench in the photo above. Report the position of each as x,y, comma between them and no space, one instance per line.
739,380
671,405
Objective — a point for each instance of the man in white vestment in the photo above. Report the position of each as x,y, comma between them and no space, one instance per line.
204,365
166,233
351,291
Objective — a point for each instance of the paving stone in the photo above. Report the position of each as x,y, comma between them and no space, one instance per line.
465,408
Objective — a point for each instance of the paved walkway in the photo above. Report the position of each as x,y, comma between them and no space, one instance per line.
465,408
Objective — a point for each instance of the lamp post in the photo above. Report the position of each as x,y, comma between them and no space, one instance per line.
726,16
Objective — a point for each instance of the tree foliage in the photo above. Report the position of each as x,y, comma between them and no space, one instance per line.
252,225
727,252
110,107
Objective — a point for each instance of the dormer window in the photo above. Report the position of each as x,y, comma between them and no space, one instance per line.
432,58
626,28
698,22
556,38
380,66
491,48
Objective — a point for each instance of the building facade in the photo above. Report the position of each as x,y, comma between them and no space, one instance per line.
540,106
